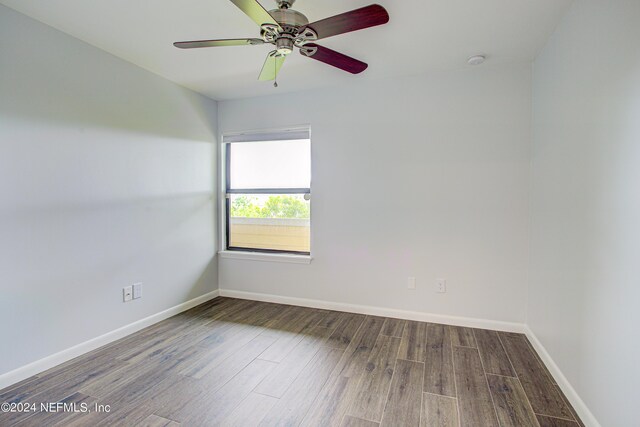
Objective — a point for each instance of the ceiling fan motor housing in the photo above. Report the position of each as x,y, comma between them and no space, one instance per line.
290,21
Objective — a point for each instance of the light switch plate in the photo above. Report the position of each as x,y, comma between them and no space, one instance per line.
137,290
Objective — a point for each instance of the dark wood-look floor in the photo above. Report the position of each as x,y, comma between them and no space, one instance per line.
232,362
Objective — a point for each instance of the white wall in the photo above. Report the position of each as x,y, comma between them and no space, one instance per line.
423,176
106,179
584,291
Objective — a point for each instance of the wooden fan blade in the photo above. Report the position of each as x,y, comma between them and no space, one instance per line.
358,19
214,43
333,58
255,11
271,66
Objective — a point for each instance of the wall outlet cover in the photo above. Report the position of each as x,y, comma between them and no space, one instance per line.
127,293
441,286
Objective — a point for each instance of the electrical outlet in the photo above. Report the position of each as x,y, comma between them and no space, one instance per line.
411,283
137,290
127,293
441,286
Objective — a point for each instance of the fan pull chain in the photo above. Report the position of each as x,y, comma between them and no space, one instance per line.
275,72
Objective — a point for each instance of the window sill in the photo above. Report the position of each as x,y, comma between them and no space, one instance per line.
267,257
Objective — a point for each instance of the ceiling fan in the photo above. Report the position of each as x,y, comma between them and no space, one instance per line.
288,29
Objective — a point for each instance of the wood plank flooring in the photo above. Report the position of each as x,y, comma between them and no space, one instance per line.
231,362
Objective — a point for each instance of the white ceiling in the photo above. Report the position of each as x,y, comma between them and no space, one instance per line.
422,35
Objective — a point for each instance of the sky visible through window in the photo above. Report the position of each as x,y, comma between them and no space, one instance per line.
271,164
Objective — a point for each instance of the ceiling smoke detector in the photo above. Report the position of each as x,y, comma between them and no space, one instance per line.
476,59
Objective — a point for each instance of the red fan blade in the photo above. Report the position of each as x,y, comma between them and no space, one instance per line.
368,16
333,58
214,43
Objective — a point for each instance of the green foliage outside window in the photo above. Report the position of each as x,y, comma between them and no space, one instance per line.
281,206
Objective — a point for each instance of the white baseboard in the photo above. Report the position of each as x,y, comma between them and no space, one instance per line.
378,311
578,404
48,362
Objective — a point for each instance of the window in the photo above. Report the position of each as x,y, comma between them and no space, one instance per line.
268,189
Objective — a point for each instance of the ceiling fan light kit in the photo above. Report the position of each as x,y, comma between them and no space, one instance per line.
288,29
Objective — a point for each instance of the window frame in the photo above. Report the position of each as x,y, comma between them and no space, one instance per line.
227,192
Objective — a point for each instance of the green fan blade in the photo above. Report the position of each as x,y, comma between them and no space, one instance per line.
271,66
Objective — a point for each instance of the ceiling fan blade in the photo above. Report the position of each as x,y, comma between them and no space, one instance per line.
255,11
333,58
358,19
271,66
214,43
